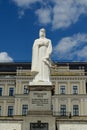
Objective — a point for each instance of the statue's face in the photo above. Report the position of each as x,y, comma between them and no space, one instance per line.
42,33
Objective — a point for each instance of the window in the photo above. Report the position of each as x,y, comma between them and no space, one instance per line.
75,110
86,87
11,91
0,91
24,109
52,107
62,89
26,91
10,110
75,90
63,110
0,110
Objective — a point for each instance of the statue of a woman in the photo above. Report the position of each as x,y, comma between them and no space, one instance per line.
42,49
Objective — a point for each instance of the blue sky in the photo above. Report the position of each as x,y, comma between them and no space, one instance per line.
65,22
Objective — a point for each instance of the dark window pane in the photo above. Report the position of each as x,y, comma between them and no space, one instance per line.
0,111
63,110
0,91
24,109
75,110
26,91
10,110
86,88
62,89
75,90
11,91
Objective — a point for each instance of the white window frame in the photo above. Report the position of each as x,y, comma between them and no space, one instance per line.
61,90
75,91
25,89
75,111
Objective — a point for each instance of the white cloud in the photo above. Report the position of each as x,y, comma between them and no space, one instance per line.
72,48
44,15
4,57
83,2
21,13
25,3
62,13
82,54
67,12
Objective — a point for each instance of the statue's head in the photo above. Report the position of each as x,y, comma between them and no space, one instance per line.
42,32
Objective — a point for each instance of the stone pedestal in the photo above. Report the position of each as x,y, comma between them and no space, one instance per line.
40,100
40,113
39,122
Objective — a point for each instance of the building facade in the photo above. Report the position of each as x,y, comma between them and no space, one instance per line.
69,95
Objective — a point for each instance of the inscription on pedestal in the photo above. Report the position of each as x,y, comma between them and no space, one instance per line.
38,126
40,100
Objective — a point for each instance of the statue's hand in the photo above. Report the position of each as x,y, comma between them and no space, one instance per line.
34,72
46,60
46,57
42,43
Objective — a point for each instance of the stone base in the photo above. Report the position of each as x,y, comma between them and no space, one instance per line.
40,87
40,83
40,113
39,123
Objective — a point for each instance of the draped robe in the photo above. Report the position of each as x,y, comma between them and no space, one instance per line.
42,49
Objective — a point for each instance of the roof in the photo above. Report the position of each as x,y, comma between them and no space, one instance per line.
13,66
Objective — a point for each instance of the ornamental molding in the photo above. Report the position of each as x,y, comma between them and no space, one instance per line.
6,81
69,78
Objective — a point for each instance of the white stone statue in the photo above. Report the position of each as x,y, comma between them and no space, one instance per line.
41,63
